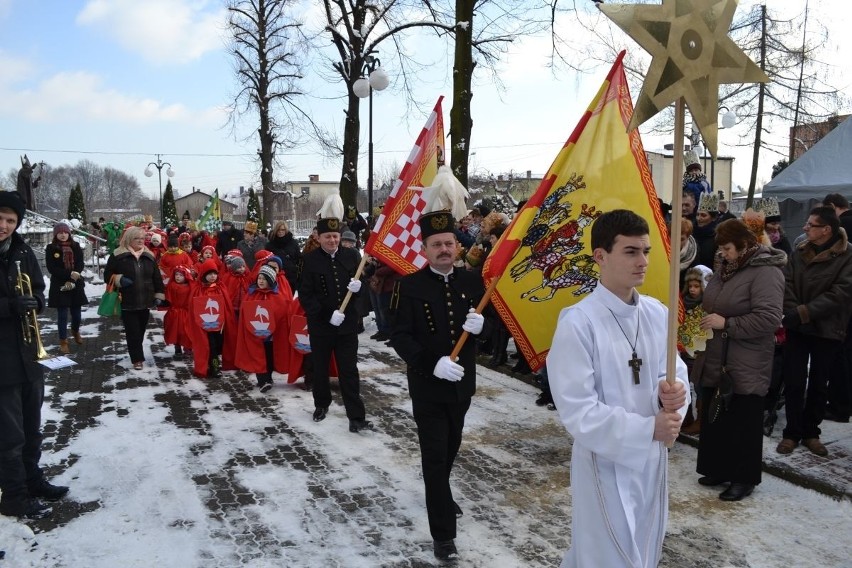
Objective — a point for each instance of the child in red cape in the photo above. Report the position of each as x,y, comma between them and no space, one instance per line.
276,264
206,254
264,329
185,244
236,281
176,321
173,257
212,327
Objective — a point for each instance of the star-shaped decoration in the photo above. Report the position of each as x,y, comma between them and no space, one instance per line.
692,55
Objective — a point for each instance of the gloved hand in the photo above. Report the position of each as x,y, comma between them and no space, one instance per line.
448,370
354,286
791,319
125,282
473,322
337,318
20,305
158,303
75,275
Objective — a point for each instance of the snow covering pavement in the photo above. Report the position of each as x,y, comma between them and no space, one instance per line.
171,471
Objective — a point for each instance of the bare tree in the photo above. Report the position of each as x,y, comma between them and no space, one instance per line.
266,47
118,189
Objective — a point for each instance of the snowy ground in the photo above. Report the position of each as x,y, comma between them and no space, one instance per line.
171,471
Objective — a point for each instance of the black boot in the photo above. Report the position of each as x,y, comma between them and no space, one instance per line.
356,425
445,549
736,492
319,413
42,489
26,508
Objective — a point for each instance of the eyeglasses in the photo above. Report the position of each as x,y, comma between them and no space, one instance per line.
812,226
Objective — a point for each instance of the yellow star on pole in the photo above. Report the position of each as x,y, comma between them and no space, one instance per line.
691,56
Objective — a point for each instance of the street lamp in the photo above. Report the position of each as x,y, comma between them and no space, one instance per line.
169,172
373,77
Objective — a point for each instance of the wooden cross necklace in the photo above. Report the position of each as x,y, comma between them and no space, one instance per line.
635,362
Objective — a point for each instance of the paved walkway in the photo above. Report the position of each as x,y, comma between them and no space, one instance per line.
364,491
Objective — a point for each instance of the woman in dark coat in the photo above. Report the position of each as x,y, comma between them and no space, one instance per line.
743,300
133,270
284,246
63,258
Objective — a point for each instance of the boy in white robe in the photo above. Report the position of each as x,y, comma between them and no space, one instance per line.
607,367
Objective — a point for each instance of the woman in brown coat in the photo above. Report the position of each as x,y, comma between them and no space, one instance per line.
744,302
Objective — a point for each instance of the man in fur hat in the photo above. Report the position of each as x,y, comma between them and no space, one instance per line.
431,309
22,482
327,274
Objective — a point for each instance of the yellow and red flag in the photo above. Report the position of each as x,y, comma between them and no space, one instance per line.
395,239
544,258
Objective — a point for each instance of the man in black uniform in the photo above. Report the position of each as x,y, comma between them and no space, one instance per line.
227,239
431,308
22,381
326,275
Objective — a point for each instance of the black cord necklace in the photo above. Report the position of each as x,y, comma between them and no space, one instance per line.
635,363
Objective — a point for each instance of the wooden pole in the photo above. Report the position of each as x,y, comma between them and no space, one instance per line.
674,239
357,276
482,303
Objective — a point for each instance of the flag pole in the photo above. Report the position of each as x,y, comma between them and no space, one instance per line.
674,240
482,303
357,276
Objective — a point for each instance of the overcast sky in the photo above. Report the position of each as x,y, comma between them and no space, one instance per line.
119,81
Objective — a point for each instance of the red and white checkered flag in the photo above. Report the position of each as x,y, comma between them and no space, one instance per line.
395,239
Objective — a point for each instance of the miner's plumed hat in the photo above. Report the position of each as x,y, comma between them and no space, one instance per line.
445,202
330,215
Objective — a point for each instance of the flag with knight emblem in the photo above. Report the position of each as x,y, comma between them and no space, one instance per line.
544,258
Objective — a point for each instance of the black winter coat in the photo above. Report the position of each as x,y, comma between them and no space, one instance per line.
322,288
144,273
428,315
19,358
59,275
287,249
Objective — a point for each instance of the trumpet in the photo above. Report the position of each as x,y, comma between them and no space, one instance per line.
29,321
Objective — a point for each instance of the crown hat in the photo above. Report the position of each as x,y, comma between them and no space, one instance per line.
709,203
769,207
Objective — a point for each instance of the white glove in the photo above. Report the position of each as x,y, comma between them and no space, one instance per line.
354,286
448,370
337,318
473,322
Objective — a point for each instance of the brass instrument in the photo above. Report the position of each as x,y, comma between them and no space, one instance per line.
29,321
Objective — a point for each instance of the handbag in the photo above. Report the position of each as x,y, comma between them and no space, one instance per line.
725,390
110,305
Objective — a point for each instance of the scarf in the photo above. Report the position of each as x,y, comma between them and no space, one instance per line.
688,253
136,253
729,268
67,254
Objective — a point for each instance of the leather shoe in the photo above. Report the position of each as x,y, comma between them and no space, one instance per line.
357,425
815,446
736,492
445,549
47,491
319,413
708,481
26,509
786,446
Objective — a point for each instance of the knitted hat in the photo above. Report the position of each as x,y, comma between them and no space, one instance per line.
206,267
251,227
184,237
12,200
348,236
234,252
269,273
276,259
212,249
61,228
235,263
156,239
699,273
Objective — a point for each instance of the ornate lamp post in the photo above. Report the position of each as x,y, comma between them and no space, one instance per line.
373,78
169,172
